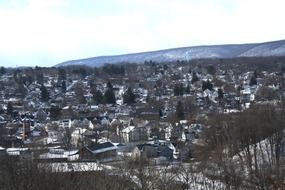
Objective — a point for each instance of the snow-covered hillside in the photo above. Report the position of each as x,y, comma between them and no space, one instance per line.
276,48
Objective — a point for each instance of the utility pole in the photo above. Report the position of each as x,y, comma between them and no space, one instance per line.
24,129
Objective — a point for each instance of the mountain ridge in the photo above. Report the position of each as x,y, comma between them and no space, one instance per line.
264,49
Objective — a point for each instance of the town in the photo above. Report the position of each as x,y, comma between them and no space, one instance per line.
83,119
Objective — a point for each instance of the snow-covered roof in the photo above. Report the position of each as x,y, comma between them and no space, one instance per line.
72,167
70,155
15,151
103,147
78,131
128,129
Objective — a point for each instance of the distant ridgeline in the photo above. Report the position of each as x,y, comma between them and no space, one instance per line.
267,49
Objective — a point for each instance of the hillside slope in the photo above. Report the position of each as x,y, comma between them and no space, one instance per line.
275,48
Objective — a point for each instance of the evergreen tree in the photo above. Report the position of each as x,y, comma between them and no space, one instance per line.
2,71
255,74
194,77
129,96
109,96
44,94
220,94
204,85
122,70
211,70
97,97
253,80
147,98
79,94
181,89
81,72
21,90
114,69
61,74
109,85
187,90
54,112
10,109
178,90
39,75
207,85
28,80
92,85
160,113
179,110
63,86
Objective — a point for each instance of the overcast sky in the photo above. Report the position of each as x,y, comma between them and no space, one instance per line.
47,32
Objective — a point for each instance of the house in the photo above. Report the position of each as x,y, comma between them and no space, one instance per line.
105,121
95,124
134,134
59,155
115,123
154,149
106,151
54,137
41,115
77,136
136,131
20,153
127,133
168,132
66,123
190,132
91,137
144,150
80,123
38,133
91,125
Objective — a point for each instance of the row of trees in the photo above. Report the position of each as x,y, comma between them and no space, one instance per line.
98,97
246,150
240,151
29,175
134,174
179,90
107,98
